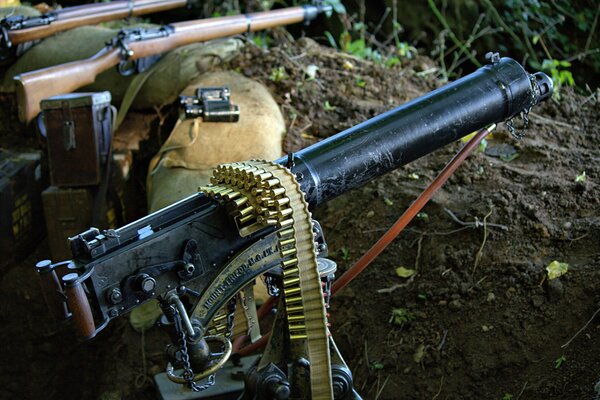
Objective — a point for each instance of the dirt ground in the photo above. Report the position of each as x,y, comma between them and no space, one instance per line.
480,319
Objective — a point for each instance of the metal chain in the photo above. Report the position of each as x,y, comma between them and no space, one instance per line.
272,288
510,125
188,374
230,317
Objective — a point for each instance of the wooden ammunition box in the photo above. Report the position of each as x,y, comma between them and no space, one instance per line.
68,212
78,128
21,218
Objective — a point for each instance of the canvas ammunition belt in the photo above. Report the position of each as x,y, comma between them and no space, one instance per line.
258,194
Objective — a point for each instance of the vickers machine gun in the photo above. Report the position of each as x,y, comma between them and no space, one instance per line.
199,255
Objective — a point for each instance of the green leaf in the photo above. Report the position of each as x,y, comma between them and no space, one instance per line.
556,269
559,361
509,157
377,365
404,272
390,62
482,146
358,26
328,107
419,353
345,253
401,316
581,177
423,216
337,6
331,39
278,74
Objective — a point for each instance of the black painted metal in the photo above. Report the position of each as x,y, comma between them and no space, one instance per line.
150,257
355,156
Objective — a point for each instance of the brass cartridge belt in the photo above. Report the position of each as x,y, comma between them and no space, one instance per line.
258,194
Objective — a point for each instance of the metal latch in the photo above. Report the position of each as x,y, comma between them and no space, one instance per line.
212,104
68,129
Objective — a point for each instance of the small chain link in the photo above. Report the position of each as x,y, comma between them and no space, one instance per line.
272,288
510,125
230,317
188,374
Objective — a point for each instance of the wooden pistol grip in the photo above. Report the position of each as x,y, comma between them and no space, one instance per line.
79,306
52,291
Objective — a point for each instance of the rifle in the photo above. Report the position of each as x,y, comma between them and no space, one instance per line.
19,29
137,44
254,219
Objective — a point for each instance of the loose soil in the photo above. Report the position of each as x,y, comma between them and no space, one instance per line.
482,321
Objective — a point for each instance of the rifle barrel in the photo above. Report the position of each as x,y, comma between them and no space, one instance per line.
357,155
116,5
213,28
73,17
33,87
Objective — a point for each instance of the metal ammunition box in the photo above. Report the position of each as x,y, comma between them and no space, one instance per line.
21,217
78,131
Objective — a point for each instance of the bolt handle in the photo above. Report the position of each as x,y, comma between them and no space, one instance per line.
79,305
52,290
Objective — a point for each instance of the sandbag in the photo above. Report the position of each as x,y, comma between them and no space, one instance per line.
18,10
194,148
163,83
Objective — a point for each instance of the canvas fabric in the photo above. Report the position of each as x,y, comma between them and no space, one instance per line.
194,148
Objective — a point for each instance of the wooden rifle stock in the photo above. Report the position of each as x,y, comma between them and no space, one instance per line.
64,78
73,17
33,87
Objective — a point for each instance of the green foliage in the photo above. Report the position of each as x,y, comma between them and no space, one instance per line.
361,83
545,31
423,216
531,31
507,396
278,74
559,361
561,76
376,365
345,253
337,6
328,107
401,316
482,146
262,39
359,48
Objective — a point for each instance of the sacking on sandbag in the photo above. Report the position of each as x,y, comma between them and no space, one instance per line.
186,160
